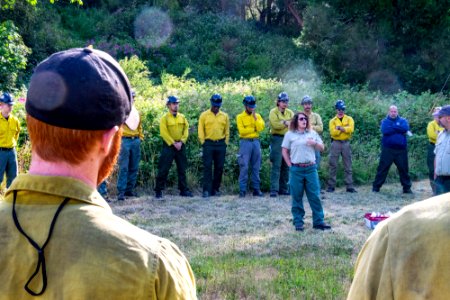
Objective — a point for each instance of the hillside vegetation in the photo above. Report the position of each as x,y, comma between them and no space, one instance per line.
359,53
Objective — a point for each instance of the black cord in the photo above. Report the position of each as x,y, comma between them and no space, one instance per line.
40,250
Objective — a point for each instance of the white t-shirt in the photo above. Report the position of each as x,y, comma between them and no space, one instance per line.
299,151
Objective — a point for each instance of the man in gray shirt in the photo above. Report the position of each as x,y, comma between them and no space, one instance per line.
442,151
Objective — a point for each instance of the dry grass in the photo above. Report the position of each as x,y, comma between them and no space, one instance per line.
247,248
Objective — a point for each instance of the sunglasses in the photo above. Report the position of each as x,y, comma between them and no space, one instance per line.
303,119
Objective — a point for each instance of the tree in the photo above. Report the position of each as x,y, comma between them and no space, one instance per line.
13,55
9,4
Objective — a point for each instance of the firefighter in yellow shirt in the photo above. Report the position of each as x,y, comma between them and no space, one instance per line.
174,130
9,134
214,134
279,119
341,130
249,124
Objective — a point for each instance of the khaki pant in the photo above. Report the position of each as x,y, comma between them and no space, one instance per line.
340,148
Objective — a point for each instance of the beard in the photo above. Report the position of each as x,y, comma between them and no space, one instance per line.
110,160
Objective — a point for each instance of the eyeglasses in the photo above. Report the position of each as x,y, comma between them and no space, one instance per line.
302,119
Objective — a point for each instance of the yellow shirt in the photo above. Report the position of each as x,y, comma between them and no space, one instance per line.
248,127
407,256
213,126
173,129
433,130
276,118
92,254
316,122
348,124
9,131
130,133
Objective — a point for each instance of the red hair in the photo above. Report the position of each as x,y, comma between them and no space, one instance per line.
57,144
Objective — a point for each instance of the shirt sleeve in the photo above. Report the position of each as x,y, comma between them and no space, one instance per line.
241,128
372,279
227,130
16,137
333,131
318,127
185,135
259,123
351,126
275,122
286,141
164,132
201,129
174,278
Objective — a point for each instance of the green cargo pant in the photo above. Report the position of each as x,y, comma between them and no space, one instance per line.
279,173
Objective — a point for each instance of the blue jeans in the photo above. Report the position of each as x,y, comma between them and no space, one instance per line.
249,157
305,180
130,154
8,164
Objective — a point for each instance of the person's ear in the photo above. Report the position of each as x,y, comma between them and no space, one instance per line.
108,138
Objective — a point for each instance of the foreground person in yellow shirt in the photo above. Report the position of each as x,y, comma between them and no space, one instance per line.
214,134
407,256
59,237
9,134
249,124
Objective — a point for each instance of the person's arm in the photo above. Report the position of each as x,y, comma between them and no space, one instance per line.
372,278
387,127
259,123
350,127
431,132
318,127
286,156
243,131
201,129
174,276
333,131
185,135
275,122
164,131
227,129
16,137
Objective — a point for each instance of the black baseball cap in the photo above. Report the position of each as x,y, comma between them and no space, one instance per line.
80,89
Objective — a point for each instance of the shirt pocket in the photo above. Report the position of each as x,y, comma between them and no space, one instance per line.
248,122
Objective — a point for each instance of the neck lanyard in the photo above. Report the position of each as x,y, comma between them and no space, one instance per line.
40,250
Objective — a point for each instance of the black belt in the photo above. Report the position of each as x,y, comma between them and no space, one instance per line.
130,137
304,165
279,135
432,143
341,141
5,149
444,177
215,141
250,140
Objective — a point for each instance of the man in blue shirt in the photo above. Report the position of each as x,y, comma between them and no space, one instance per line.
394,149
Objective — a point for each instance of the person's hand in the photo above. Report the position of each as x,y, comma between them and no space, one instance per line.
340,128
178,145
254,115
286,123
311,142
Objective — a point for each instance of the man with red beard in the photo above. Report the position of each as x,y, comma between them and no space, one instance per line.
59,237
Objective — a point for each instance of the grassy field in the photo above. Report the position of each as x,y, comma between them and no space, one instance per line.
248,249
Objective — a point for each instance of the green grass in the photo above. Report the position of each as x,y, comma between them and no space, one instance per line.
248,249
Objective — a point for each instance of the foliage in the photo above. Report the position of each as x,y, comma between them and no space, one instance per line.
13,55
390,45
10,4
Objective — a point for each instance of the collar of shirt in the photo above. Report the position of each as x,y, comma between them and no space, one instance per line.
58,186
